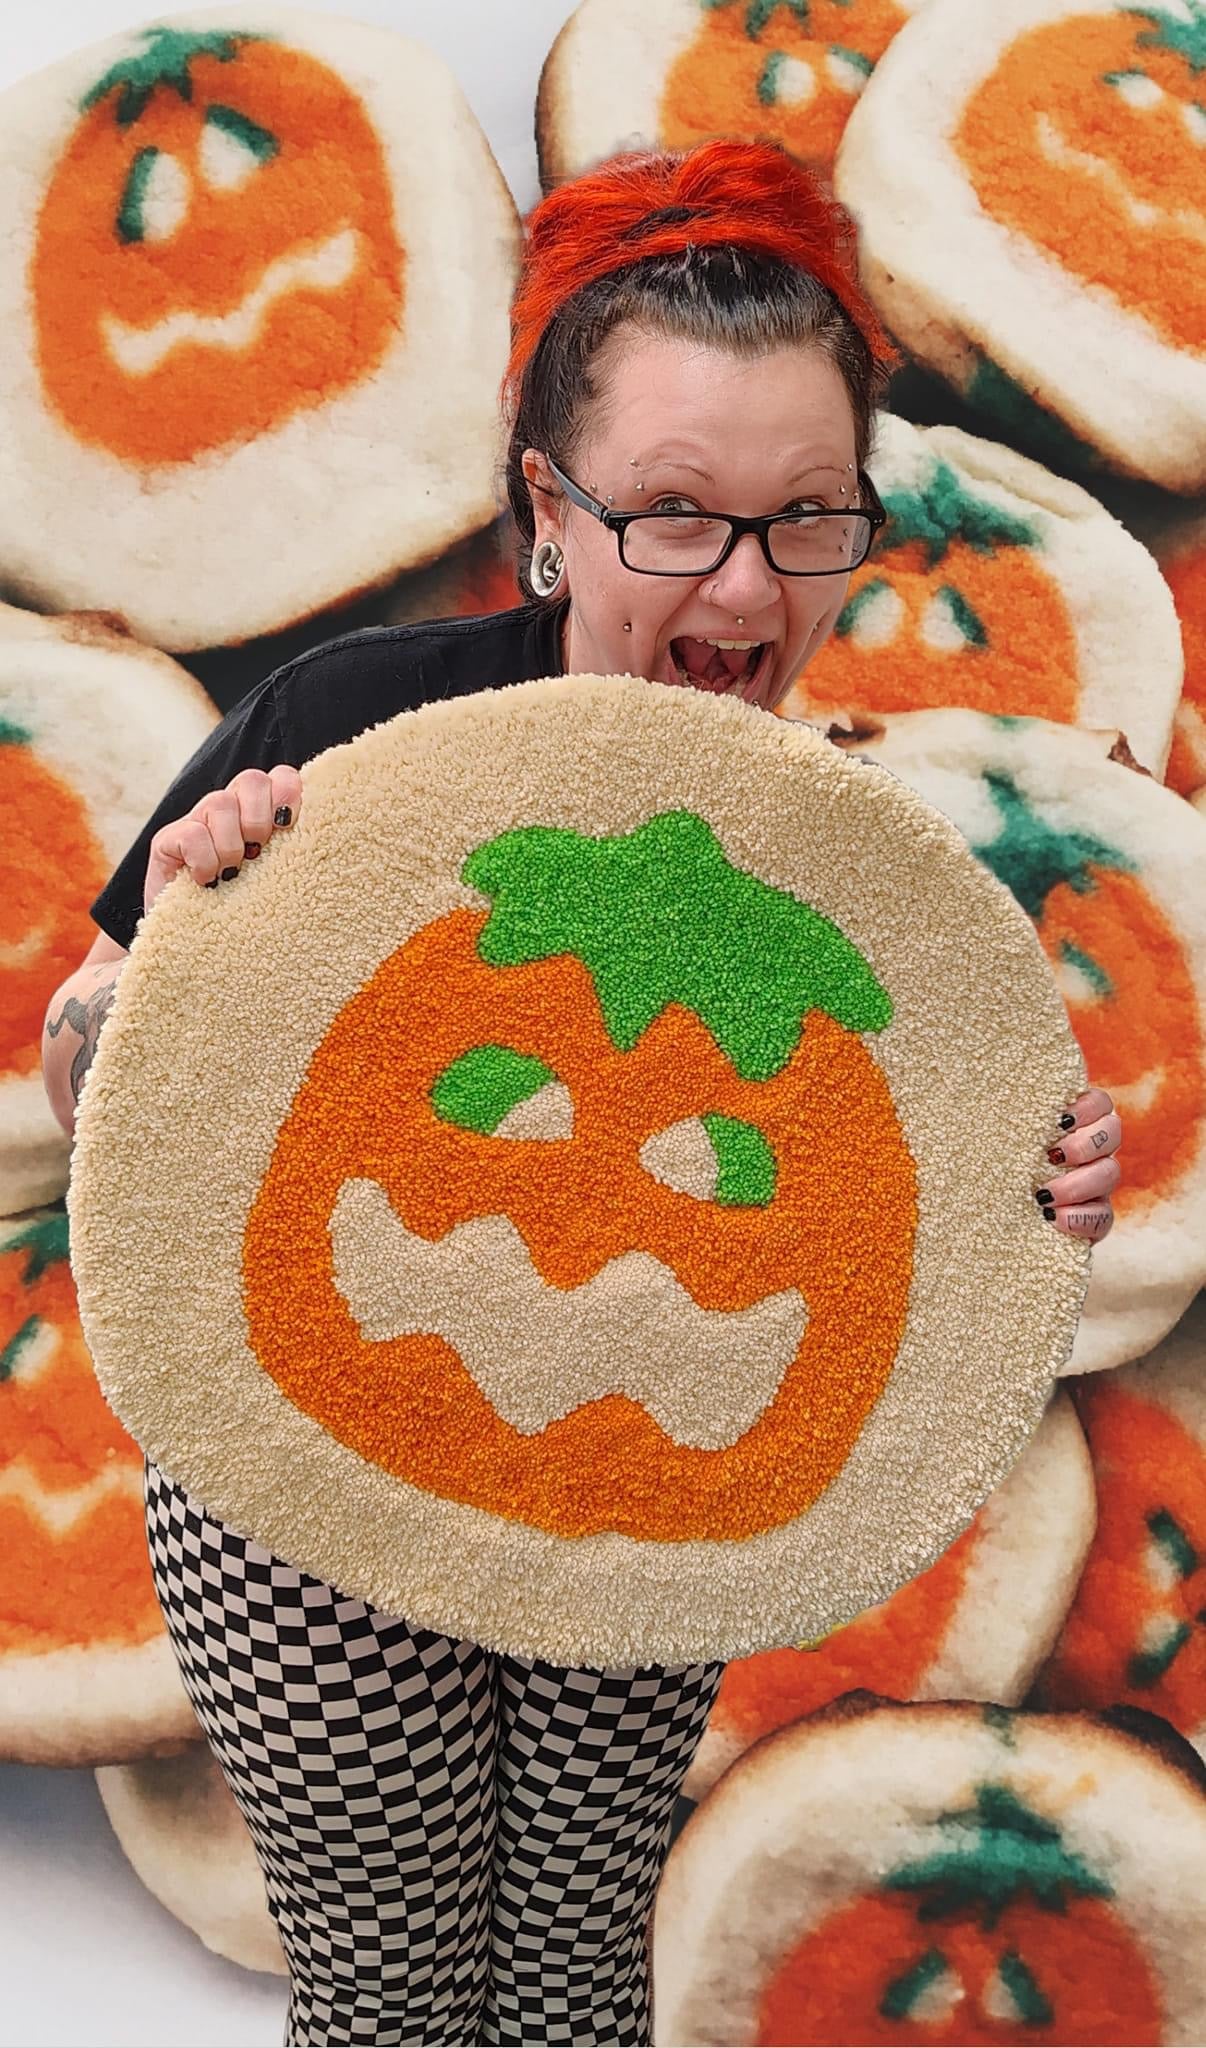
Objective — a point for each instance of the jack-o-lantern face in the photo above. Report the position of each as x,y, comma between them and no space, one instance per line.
215,250
953,576
601,1168
1086,139
788,69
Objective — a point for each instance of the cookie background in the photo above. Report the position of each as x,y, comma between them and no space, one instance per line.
89,1957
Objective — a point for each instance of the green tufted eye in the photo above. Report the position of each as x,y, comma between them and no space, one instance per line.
716,1159
154,198
502,1093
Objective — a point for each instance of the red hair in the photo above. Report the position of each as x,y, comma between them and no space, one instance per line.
750,195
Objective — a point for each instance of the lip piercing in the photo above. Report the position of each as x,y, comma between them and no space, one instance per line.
610,498
628,625
741,622
640,487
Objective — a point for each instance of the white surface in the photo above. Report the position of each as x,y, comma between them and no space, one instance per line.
88,1959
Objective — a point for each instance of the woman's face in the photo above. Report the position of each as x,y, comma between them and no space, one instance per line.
681,426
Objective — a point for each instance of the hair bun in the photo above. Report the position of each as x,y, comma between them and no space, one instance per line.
748,195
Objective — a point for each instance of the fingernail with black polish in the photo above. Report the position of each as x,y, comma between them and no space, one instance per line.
1043,1195
283,815
1067,1123
213,884
251,849
1050,1215
228,874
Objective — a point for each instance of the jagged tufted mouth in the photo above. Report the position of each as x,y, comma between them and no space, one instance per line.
537,1352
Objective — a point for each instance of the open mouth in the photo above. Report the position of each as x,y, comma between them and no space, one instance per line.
723,668
538,1352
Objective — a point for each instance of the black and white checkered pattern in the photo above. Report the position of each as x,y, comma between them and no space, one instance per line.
458,1847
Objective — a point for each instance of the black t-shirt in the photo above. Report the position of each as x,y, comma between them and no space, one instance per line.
329,695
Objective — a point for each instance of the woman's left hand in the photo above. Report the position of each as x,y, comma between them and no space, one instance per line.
1077,1199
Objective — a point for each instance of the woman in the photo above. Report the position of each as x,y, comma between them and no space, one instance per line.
461,1846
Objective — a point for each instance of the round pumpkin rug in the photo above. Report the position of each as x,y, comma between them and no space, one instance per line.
576,1189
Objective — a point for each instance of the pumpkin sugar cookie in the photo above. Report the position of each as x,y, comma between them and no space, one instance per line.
670,73
87,1674
93,727
938,1873
554,1300
1136,1631
1179,546
178,1823
255,287
1111,868
475,578
1003,587
975,1626
1028,179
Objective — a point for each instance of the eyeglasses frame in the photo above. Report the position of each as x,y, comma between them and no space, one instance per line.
619,522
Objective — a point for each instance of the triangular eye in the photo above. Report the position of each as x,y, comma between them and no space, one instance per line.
501,1093
154,199
928,1993
950,625
232,147
1013,1998
547,1114
872,616
715,1159
684,1157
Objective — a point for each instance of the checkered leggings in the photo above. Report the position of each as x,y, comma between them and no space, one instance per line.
458,1847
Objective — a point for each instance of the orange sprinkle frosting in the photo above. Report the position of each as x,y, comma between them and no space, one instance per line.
214,250
1112,187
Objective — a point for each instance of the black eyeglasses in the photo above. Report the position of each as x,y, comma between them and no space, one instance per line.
818,542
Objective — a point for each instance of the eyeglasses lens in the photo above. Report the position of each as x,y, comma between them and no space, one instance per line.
689,544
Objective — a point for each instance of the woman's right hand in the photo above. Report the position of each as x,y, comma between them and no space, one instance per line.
224,828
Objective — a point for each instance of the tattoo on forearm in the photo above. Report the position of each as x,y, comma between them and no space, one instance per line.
86,1018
